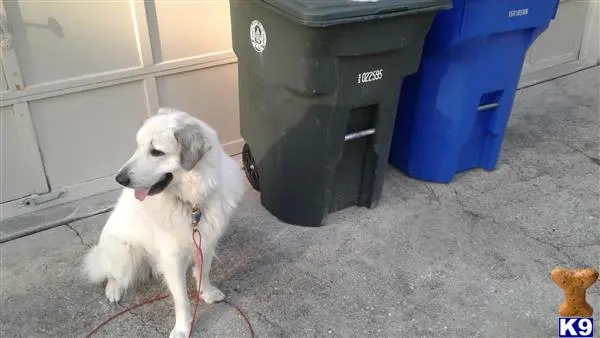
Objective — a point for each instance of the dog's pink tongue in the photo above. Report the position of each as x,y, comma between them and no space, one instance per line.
141,194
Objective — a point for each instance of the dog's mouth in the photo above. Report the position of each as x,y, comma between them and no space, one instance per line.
156,188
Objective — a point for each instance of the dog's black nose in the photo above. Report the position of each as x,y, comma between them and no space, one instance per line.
123,178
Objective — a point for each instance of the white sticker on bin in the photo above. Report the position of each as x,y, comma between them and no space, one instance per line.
371,76
518,12
258,36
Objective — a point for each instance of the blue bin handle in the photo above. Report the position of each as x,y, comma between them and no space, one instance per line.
488,106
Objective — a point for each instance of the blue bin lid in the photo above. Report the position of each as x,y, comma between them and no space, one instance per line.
322,13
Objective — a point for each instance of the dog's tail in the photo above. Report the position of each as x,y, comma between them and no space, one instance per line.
94,265
112,258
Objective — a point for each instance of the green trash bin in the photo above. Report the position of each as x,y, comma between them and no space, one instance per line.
318,90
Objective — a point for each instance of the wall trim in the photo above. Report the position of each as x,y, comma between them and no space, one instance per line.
121,76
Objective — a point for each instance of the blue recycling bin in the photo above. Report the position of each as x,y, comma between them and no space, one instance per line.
453,112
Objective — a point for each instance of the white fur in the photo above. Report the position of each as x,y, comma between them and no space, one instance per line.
155,235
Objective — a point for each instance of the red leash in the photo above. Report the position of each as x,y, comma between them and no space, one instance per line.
150,301
198,266
199,258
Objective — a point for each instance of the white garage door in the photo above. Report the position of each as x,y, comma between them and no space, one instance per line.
568,45
80,76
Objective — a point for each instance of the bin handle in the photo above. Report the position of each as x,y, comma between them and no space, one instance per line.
488,106
359,134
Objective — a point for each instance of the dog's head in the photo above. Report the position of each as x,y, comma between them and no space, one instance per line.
168,144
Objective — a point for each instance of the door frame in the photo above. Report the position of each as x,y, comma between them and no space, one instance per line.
589,52
590,45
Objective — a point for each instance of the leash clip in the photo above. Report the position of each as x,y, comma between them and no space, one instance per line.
196,217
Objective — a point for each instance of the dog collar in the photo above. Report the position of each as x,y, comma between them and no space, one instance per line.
196,216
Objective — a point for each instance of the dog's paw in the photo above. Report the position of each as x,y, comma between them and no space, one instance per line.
179,332
114,291
211,294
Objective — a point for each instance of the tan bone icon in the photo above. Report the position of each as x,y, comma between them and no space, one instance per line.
574,284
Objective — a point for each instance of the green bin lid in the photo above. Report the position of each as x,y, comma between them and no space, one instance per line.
321,13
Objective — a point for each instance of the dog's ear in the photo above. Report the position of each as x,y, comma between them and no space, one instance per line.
193,145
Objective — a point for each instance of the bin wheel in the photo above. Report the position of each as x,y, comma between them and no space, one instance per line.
250,167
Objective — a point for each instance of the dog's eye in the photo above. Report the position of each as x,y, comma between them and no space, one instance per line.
156,152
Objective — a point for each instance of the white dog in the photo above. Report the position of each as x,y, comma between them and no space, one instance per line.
178,165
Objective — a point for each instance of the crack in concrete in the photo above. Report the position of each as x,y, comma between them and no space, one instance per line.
478,216
555,247
582,245
432,194
78,235
593,159
467,211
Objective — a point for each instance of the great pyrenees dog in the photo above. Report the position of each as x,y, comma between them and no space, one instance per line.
179,165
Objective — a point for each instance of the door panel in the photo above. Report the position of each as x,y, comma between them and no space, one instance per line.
21,173
214,101
202,27
561,42
89,134
55,40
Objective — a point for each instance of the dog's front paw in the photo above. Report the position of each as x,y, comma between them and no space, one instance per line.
179,332
113,290
211,294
